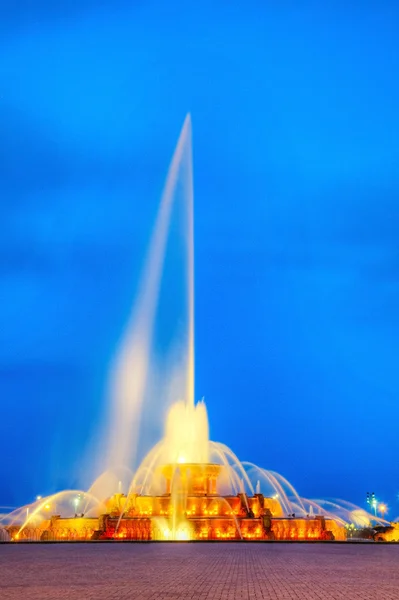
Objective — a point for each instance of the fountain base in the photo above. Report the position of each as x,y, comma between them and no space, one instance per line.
190,509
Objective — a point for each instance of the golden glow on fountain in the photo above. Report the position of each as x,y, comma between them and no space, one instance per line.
187,486
186,434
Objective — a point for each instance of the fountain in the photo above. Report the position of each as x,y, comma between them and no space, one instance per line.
187,487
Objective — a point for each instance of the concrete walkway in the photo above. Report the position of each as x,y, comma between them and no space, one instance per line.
211,571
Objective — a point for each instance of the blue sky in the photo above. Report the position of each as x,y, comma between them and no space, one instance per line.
296,130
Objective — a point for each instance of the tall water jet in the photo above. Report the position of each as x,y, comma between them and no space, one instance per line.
129,375
186,437
190,390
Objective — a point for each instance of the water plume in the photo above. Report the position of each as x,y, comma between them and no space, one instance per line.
133,363
186,434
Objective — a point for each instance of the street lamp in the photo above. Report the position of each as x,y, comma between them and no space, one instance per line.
382,507
372,501
374,505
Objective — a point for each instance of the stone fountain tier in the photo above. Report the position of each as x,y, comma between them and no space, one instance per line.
191,478
187,505
191,490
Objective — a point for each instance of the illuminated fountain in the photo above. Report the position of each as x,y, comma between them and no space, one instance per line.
187,486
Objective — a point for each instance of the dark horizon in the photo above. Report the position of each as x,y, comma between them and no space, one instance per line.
295,129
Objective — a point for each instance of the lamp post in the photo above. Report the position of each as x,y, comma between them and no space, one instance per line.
372,502
382,507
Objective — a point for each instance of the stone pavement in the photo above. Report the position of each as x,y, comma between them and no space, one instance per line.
211,571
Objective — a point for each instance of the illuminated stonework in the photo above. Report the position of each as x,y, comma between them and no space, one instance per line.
190,509
387,534
193,509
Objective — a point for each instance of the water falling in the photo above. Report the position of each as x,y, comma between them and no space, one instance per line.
132,367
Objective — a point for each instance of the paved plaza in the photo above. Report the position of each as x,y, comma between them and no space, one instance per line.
211,571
